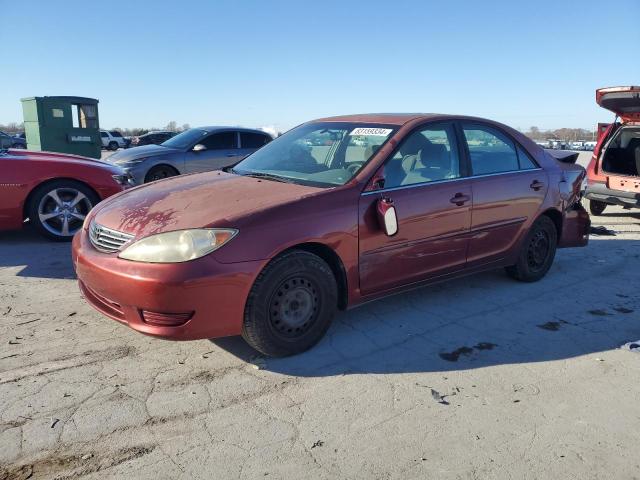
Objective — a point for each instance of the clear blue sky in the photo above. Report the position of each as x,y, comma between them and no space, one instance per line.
280,62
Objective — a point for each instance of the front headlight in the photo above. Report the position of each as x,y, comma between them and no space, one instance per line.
129,163
178,246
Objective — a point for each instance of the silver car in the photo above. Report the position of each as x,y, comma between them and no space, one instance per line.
195,150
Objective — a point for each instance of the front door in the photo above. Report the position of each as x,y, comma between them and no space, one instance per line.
432,199
508,190
220,150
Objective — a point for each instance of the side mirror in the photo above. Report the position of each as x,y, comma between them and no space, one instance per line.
387,217
199,147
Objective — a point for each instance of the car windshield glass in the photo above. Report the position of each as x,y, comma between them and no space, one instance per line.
185,139
321,154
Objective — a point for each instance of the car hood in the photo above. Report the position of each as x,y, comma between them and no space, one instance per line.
136,153
212,199
58,158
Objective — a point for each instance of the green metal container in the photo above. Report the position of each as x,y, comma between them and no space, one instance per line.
62,124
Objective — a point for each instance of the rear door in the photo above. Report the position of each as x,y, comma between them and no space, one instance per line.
508,189
221,150
623,101
425,182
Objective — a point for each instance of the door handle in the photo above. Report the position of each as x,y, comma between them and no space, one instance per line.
460,199
536,185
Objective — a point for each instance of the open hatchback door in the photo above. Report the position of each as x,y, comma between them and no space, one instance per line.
623,101
613,176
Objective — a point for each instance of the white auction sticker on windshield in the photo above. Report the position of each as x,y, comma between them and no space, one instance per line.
371,132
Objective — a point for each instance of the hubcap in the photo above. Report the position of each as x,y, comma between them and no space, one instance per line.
293,308
62,211
538,250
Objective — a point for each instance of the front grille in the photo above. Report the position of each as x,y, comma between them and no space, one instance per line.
107,240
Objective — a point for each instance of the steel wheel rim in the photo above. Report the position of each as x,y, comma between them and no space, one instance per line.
538,251
293,308
62,211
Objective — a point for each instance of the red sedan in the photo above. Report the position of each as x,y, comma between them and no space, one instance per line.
54,191
335,212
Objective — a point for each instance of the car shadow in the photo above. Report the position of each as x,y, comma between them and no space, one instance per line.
587,303
34,255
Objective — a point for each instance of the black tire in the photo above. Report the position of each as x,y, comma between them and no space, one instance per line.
113,146
159,172
596,208
537,253
43,204
20,146
291,305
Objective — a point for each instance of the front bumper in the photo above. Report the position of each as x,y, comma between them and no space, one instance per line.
601,193
212,295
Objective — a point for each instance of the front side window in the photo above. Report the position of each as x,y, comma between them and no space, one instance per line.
322,154
427,155
490,151
115,133
104,134
253,140
220,141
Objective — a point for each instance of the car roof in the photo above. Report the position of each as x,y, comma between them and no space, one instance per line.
382,118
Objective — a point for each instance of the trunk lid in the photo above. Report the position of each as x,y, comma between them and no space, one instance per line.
623,101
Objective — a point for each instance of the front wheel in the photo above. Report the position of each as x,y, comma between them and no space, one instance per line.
596,208
57,209
113,146
537,253
291,305
159,172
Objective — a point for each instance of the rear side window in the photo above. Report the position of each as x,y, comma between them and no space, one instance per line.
490,150
220,141
253,140
525,160
104,134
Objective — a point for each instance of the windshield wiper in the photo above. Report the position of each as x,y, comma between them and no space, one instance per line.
268,176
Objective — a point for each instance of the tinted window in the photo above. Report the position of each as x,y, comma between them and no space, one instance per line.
115,134
220,141
526,163
253,140
490,150
427,155
104,134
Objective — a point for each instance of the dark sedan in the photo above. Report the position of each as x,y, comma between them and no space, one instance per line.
195,150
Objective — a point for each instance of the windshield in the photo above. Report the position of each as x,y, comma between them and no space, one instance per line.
322,154
185,139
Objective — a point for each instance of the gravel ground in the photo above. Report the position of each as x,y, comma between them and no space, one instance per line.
482,377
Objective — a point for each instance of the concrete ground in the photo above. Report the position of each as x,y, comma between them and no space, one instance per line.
482,377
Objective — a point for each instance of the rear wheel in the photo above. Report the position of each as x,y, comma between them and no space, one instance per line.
537,253
113,146
159,172
291,305
20,146
58,209
596,208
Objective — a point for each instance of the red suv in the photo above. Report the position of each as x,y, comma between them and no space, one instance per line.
613,175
